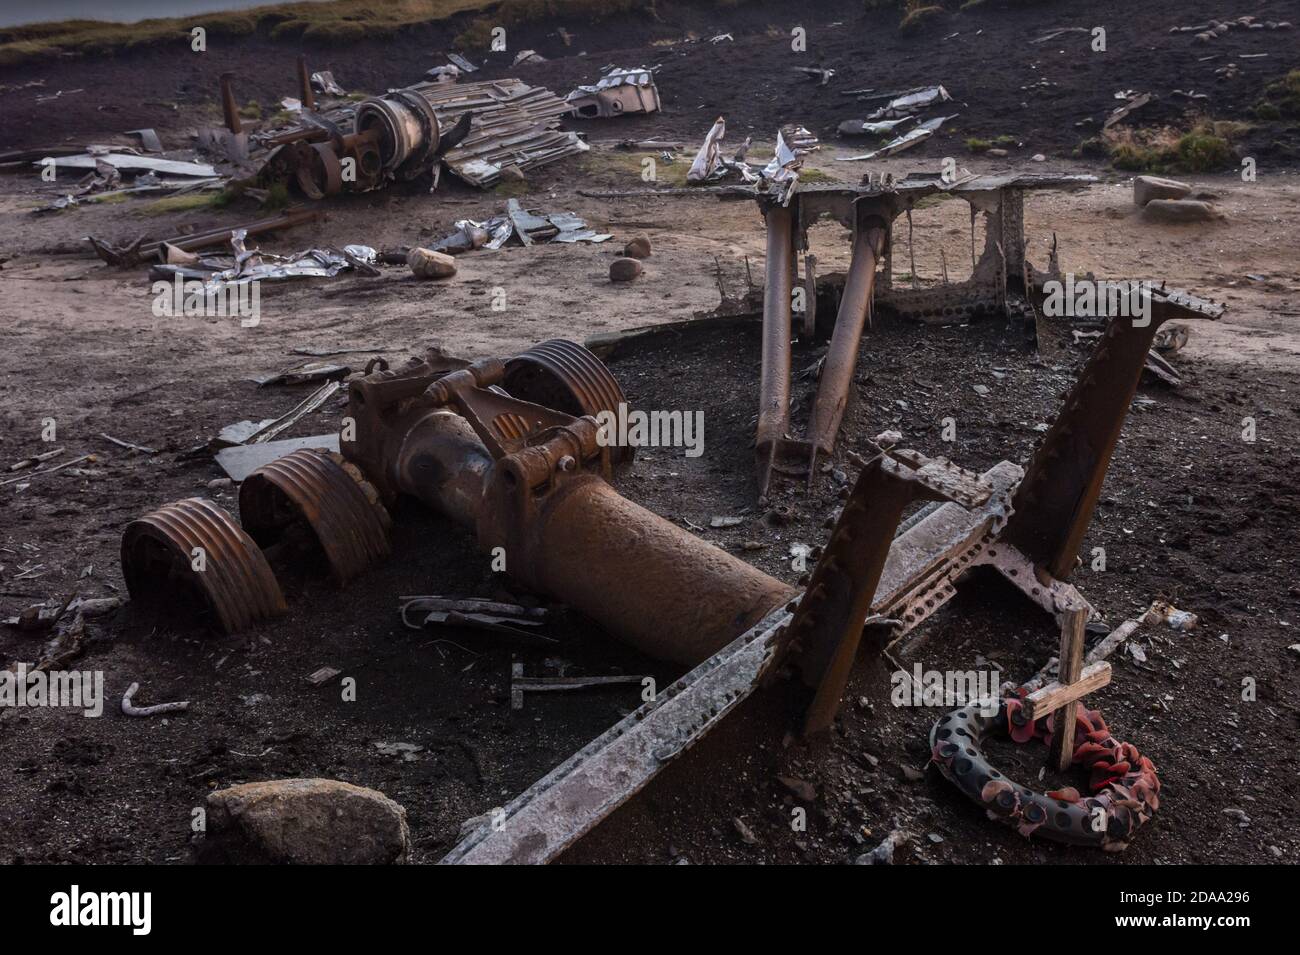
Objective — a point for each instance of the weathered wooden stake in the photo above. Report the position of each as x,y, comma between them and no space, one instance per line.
1069,670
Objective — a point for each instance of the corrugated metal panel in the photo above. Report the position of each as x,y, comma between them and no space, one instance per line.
514,124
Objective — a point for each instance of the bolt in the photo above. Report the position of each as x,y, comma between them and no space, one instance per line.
567,463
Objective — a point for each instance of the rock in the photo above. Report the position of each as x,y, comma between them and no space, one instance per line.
427,264
746,834
883,854
1146,188
803,790
996,153
624,270
1038,157
1179,211
638,247
306,822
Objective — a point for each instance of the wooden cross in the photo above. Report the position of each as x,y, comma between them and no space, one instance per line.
1065,693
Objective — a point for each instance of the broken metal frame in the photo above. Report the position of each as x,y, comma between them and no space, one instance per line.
869,211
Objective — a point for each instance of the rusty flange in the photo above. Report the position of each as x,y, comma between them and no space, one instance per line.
194,543
564,376
330,496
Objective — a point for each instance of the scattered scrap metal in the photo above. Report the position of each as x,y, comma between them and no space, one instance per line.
618,92
780,176
475,130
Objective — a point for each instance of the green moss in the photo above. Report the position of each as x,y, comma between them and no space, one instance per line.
1092,148
185,203
1202,151
918,16
277,197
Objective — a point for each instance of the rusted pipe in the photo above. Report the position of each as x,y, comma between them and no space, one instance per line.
652,584
305,93
228,107
774,381
842,358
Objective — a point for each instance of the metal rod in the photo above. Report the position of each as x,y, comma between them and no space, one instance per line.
774,381
305,93
842,358
228,107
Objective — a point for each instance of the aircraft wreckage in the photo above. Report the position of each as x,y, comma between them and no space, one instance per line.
511,450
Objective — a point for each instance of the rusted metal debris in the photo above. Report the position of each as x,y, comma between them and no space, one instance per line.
867,575
512,451
194,546
331,496
476,130
616,93
145,250
870,211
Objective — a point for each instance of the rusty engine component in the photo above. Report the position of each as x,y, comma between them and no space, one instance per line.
524,477
343,510
196,547
475,129
1125,791
533,480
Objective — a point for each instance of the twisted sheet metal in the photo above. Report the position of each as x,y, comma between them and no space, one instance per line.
340,506
236,581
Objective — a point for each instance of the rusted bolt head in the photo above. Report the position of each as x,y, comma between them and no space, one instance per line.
567,463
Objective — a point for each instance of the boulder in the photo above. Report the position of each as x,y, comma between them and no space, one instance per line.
1146,188
624,270
427,264
638,247
305,822
1179,211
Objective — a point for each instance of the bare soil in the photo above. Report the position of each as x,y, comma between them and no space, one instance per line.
1190,511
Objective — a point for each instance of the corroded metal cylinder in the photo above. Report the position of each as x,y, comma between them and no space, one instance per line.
654,585
774,380
842,357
